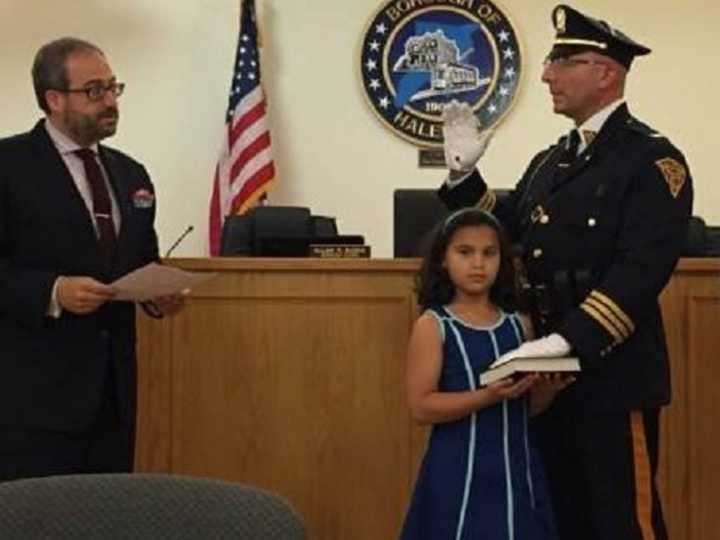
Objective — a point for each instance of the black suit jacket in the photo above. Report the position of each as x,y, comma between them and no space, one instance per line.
52,370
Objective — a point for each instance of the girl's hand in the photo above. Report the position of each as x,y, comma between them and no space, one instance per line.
509,389
546,388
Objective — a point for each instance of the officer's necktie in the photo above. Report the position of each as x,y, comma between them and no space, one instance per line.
548,181
573,143
102,207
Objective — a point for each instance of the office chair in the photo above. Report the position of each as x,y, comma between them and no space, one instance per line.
249,233
279,231
237,236
142,506
323,226
416,212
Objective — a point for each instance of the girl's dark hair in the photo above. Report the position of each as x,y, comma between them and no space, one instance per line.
432,283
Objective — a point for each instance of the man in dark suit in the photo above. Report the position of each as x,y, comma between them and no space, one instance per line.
74,216
601,217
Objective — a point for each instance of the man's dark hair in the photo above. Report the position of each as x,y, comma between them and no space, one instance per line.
432,283
49,70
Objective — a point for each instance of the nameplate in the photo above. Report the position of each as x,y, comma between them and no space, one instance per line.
339,251
433,158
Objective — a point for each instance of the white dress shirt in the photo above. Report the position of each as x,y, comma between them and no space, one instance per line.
66,147
596,122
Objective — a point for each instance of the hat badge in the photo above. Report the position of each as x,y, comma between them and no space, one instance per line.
560,21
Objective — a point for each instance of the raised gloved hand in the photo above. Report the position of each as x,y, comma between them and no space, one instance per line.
550,346
465,142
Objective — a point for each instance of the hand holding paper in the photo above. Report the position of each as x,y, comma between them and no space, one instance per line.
82,295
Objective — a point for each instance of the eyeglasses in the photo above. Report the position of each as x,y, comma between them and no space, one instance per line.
96,92
565,62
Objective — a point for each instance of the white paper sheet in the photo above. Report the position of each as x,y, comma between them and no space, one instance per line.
155,280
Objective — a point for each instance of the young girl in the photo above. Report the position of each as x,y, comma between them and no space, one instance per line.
480,478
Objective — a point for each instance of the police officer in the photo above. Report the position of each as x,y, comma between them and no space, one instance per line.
601,216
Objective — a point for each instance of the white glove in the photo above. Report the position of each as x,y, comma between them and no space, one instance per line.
550,346
465,142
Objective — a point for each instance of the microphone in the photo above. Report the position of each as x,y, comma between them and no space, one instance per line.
150,307
180,239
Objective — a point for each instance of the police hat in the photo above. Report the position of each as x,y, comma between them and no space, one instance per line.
577,33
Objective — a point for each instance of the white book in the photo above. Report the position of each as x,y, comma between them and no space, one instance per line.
559,364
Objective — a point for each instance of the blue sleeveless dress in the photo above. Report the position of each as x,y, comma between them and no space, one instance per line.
480,478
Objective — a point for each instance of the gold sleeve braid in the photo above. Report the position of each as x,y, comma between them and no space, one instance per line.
609,315
487,202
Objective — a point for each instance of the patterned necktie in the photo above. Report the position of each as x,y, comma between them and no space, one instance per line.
102,207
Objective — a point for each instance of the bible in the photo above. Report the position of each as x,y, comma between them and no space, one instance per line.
519,366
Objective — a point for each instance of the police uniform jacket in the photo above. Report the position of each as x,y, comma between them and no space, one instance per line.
602,232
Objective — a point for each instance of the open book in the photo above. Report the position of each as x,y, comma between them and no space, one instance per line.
519,365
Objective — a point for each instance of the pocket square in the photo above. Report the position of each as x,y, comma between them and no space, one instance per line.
143,198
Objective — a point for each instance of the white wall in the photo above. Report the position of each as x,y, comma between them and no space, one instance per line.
331,152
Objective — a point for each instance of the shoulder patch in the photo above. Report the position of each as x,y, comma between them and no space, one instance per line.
674,173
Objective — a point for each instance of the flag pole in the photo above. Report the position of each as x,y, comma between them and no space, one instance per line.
245,171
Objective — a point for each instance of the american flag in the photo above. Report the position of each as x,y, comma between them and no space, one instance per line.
245,168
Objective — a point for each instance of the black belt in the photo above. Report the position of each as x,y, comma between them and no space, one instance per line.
550,302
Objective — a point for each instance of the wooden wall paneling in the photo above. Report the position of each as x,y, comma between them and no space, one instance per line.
294,382
690,439
289,375
672,478
154,430
703,408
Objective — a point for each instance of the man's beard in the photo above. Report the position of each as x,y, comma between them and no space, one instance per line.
87,129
